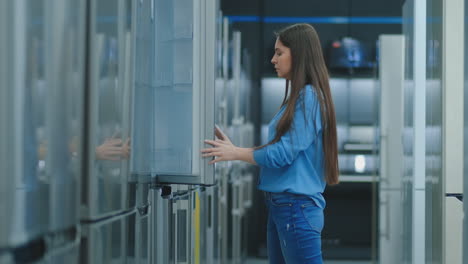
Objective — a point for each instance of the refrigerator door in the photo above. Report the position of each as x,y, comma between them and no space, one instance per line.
183,225
106,185
160,223
178,94
209,231
143,135
107,241
392,159
40,117
142,240
390,226
362,106
391,110
64,24
67,253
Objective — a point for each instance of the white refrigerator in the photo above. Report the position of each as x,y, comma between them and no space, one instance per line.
391,76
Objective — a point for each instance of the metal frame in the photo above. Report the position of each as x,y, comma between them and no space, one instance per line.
419,119
465,145
452,129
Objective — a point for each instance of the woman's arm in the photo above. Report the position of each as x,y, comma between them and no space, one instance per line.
224,151
246,154
303,132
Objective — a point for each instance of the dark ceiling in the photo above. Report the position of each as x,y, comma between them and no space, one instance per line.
258,38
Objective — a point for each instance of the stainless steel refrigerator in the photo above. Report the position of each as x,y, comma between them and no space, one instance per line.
41,102
109,193
173,113
174,88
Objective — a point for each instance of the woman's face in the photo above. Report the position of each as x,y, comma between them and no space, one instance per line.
282,60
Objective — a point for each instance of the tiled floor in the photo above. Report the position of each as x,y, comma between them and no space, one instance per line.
264,261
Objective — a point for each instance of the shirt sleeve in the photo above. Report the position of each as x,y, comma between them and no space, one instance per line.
301,135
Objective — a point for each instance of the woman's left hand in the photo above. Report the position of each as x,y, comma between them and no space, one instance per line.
223,149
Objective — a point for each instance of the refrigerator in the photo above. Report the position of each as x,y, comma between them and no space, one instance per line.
173,113
41,106
174,88
111,200
391,76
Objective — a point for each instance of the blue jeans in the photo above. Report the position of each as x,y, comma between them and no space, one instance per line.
294,229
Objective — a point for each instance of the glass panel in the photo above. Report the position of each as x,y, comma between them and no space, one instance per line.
174,87
110,97
144,94
164,82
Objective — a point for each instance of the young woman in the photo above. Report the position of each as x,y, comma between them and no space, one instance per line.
301,157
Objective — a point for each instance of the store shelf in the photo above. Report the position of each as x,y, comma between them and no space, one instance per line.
359,178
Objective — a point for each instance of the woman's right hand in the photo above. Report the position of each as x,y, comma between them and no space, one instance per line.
222,148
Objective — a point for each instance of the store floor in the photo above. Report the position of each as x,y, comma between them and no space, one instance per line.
264,261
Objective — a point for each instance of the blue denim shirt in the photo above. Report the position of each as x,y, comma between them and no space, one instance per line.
295,163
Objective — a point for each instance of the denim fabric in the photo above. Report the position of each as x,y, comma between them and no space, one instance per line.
294,229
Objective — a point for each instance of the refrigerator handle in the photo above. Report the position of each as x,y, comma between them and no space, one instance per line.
386,234
383,154
152,10
459,196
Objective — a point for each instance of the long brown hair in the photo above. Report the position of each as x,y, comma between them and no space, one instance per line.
308,67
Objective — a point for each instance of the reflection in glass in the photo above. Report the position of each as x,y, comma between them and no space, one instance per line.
41,105
106,185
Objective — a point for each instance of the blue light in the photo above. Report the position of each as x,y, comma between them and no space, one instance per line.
318,20
244,18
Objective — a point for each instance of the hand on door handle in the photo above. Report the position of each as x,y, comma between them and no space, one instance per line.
224,150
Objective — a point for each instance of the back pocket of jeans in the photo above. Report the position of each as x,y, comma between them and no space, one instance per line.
313,215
